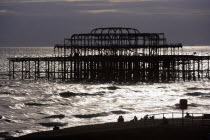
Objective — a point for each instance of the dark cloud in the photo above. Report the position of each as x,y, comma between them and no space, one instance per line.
46,22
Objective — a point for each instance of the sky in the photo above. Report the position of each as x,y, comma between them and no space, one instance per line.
48,22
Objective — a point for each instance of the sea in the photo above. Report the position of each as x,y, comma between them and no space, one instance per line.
33,106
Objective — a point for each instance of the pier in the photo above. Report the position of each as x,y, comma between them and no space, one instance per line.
113,55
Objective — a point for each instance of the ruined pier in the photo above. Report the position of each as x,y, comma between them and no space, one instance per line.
113,55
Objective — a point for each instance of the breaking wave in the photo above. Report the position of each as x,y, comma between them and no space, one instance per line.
119,112
197,94
91,115
196,88
52,124
60,116
34,104
72,94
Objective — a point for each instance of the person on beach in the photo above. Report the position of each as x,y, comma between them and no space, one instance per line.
56,128
135,118
187,115
152,117
120,119
146,117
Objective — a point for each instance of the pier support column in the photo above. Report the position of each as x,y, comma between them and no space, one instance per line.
9,70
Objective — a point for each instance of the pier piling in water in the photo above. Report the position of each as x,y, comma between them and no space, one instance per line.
113,55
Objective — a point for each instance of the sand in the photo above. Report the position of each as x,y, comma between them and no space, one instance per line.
145,130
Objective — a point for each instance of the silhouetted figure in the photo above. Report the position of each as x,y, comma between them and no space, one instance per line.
187,115
152,117
135,118
120,119
146,117
56,128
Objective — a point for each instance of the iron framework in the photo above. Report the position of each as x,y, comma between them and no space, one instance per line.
113,54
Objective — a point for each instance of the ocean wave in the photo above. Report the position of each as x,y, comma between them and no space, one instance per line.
206,97
162,87
52,124
5,135
196,88
34,104
100,92
60,116
72,94
196,93
9,121
111,88
100,114
17,106
92,115
13,86
15,93
5,93
119,112
192,105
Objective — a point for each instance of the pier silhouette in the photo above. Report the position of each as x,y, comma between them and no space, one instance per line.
113,55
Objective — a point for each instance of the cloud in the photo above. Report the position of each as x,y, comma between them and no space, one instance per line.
37,1
154,11
176,11
131,0
100,11
4,12
105,11
81,7
112,1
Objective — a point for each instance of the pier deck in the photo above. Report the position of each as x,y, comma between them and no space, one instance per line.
163,68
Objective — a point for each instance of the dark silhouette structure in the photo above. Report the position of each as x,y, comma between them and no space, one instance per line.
120,119
113,55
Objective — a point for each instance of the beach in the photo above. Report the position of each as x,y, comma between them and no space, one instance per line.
142,129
